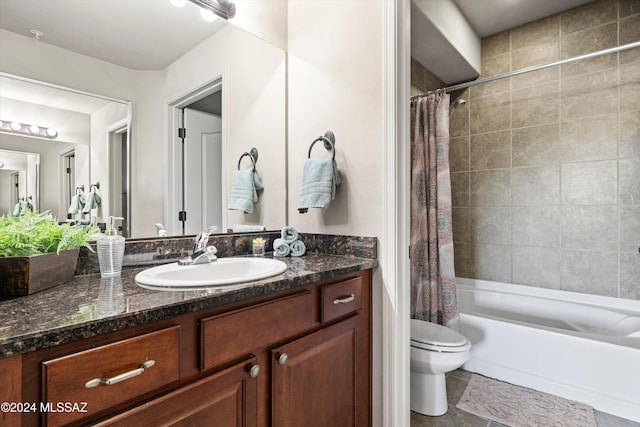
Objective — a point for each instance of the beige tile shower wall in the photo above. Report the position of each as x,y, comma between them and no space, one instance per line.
423,80
546,165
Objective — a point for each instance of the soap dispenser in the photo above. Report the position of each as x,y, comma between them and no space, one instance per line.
111,250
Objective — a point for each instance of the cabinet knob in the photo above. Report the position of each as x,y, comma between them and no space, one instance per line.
283,358
254,371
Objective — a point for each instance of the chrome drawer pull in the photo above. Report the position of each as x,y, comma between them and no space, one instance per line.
118,378
345,299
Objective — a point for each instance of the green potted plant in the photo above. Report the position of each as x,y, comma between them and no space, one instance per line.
37,253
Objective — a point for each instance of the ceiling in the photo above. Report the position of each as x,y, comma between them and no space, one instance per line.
489,17
116,31
446,34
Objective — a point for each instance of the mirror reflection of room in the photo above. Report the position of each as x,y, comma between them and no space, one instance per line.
63,144
245,55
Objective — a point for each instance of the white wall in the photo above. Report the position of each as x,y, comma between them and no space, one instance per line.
335,82
266,19
27,57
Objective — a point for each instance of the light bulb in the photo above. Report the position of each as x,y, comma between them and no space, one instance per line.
178,3
16,126
207,15
34,129
52,133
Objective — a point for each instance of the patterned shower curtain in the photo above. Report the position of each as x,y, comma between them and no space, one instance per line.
433,281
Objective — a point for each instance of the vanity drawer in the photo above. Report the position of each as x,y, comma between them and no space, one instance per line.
83,377
227,336
340,299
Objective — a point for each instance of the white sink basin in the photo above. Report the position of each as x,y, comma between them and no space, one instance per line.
224,271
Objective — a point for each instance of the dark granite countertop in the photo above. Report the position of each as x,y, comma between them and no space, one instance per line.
89,305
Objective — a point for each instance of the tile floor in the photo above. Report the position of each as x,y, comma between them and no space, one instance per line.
456,383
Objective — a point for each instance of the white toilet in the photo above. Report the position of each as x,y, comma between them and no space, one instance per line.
435,350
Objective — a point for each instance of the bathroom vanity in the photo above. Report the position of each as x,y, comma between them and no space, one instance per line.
291,350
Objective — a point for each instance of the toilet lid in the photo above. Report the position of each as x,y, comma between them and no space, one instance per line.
433,334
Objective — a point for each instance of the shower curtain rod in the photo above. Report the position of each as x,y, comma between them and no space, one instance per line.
530,69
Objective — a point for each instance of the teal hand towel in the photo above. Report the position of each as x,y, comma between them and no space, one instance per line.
77,203
244,190
289,235
93,201
298,248
319,181
280,248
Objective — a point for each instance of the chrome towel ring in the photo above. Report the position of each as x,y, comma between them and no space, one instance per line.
329,140
253,155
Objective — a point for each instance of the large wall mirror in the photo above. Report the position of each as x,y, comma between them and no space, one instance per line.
139,77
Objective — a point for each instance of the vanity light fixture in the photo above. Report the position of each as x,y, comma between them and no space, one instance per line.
27,129
211,8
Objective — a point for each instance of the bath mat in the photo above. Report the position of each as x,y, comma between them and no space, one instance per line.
522,407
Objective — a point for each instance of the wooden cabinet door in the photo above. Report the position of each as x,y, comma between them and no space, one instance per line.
315,379
224,399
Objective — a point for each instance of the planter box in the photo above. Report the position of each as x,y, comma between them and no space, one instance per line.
21,276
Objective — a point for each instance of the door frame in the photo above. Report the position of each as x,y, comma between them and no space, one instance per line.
395,240
66,181
173,178
114,135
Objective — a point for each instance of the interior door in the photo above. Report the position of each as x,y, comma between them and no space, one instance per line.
202,170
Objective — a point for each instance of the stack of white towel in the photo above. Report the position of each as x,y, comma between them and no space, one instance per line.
288,244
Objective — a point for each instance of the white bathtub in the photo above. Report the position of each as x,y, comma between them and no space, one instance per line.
581,347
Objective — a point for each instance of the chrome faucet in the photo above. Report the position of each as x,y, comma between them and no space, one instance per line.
201,252
162,232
